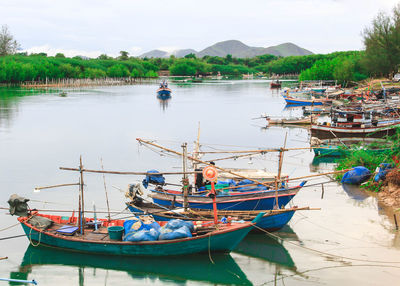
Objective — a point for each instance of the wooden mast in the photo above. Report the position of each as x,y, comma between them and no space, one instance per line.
185,181
202,162
82,200
105,190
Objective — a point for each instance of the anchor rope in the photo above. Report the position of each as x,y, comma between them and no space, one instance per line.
322,252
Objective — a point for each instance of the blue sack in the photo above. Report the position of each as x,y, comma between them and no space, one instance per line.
167,234
356,176
133,224
178,223
142,235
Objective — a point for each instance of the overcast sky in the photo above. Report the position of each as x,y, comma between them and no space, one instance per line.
92,27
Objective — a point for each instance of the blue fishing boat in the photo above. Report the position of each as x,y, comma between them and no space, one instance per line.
265,199
305,102
271,221
163,91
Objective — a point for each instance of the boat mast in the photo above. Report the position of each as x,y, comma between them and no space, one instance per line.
185,181
82,204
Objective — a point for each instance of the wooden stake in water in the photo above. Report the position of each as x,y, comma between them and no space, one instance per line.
82,218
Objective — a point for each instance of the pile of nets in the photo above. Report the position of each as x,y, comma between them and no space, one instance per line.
145,228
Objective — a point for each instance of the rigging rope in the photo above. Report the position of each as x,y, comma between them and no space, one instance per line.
322,252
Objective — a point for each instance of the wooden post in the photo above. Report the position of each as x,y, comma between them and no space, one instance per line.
185,181
214,202
82,197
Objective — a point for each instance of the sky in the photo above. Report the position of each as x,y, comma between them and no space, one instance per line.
94,27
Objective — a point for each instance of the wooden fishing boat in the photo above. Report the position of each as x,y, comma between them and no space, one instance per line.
337,147
275,84
295,121
271,221
252,200
382,130
302,102
163,90
212,238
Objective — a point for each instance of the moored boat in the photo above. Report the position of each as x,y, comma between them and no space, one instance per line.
163,91
250,200
275,84
301,101
223,238
271,221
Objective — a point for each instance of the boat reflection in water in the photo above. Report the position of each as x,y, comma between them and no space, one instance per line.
163,100
260,245
179,269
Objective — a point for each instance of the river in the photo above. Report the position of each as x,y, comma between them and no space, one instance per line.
351,241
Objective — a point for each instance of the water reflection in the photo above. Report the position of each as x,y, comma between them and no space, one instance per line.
164,100
262,246
224,270
9,102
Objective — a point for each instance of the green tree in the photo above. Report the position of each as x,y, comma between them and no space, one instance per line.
190,56
118,71
382,43
123,55
7,43
59,55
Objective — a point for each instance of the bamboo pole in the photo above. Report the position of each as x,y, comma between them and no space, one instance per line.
56,186
200,161
260,150
185,181
105,190
125,173
83,200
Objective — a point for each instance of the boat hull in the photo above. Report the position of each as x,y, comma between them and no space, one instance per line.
261,200
218,241
305,102
163,92
269,222
325,132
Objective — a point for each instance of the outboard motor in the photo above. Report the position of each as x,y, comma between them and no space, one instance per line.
134,192
18,205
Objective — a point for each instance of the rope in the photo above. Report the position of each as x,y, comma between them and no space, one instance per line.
339,233
2,229
30,238
321,252
10,237
329,267
209,249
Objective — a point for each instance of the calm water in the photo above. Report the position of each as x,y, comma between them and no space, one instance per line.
40,132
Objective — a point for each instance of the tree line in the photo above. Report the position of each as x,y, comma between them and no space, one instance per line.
381,57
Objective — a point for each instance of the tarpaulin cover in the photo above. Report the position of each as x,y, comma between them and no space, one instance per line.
383,169
356,176
156,178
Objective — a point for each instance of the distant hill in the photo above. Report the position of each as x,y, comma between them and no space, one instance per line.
237,49
155,54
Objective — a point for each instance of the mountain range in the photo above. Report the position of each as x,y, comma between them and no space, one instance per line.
235,48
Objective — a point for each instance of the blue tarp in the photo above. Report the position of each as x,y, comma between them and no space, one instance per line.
356,176
383,169
157,179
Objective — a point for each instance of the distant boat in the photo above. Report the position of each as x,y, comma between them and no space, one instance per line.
300,101
295,121
163,90
275,84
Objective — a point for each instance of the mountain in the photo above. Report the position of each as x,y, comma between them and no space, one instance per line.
182,53
155,54
235,48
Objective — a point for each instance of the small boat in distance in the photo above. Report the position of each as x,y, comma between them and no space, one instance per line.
163,90
275,84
